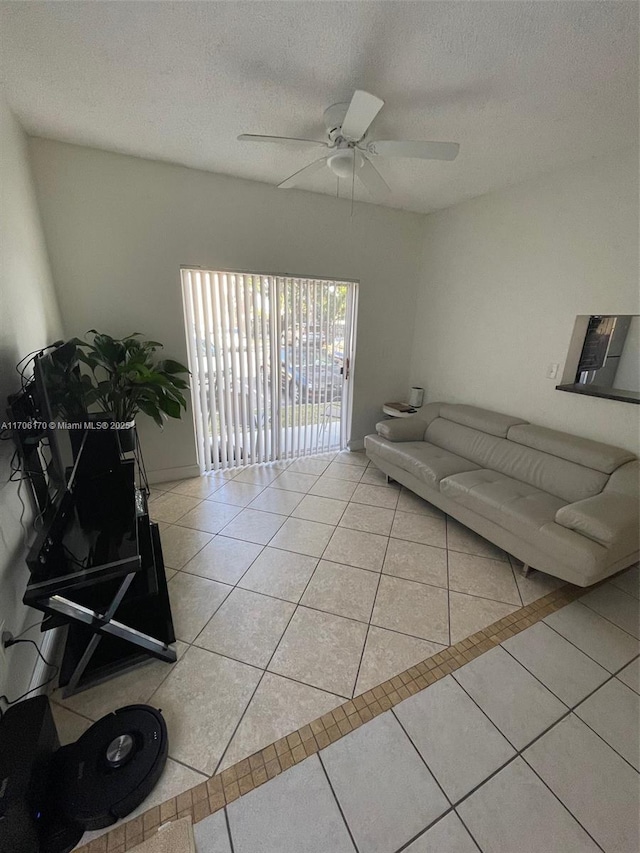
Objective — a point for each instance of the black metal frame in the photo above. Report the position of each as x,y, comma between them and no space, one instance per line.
54,595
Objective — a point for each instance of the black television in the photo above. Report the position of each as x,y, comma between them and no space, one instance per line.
64,438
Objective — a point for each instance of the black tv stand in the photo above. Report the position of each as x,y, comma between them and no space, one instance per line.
98,568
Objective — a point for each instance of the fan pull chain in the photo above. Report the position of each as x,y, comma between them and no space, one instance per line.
353,184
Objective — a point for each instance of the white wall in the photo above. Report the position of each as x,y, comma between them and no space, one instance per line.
118,228
501,277
29,320
504,276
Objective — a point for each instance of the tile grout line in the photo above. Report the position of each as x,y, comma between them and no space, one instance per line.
610,677
237,726
628,594
515,579
587,653
194,642
233,734
471,835
349,565
219,794
601,737
423,760
446,545
188,766
517,749
622,668
212,535
373,607
570,708
266,669
552,601
456,803
337,801
606,618
228,825
426,829
316,610
557,798
270,671
519,752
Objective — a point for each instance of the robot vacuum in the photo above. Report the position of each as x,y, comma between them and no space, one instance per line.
112,768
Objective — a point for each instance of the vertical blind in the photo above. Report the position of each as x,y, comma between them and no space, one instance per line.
270,362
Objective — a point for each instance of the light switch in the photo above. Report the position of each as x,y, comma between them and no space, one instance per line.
552,370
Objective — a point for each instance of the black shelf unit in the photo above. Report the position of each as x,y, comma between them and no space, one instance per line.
98,568
145,609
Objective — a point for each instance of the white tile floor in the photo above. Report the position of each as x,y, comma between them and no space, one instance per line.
531,747
295,586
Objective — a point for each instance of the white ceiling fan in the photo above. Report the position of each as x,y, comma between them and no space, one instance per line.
350,151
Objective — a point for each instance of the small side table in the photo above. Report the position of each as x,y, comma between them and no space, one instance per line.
395,413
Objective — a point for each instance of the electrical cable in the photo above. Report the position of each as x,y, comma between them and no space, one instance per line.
39,518
25,530
10,702
81,563
32,355
26,631
22,373
29,355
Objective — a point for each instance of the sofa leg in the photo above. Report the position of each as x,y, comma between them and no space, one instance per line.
526,570
389,479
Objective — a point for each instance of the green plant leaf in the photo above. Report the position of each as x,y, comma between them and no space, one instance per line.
152,411
178,383
168,365
125,377
171,407
87,359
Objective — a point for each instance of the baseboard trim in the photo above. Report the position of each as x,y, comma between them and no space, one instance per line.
356,444
163,475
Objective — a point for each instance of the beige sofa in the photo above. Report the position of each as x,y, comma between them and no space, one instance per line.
559,503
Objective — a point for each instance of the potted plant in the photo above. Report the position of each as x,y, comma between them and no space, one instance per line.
70,393
130,379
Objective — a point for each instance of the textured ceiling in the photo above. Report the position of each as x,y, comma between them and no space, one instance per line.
524,87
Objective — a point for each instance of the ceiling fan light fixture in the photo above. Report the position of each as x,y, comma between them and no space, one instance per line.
341,162
350,148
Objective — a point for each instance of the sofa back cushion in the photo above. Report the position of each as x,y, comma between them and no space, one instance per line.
592,454
560,477
485,420
625,480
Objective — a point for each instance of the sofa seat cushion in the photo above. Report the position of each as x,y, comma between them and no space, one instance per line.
502,499
420,458
526,512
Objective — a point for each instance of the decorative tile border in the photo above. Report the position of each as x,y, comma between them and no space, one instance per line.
250,773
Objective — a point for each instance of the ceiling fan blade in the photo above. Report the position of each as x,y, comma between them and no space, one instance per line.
258,137
361,112
421,150
371,179
295,179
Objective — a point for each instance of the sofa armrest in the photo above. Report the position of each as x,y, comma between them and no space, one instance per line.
402,429
609,518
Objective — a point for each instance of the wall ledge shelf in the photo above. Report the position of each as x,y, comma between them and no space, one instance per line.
601,391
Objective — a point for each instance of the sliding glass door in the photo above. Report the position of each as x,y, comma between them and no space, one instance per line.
271,359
